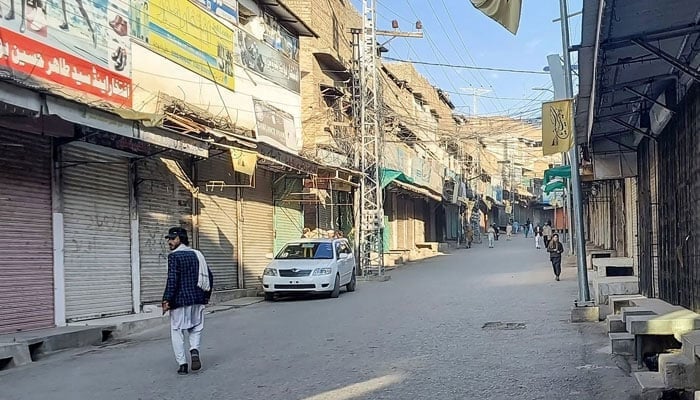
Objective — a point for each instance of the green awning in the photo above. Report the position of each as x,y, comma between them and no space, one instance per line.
554,185
562,171
386,176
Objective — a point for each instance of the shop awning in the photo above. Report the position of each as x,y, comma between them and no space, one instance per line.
415,189
563,171
554,185
386,176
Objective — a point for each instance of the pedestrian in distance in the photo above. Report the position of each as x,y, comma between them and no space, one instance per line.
538,236
187,291
555,250
528,226
492,235
496,230
470,236
547,233
509,230
516,227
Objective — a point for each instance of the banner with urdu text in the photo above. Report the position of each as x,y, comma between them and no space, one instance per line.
557,126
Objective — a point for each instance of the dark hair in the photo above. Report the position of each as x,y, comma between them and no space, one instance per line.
183,238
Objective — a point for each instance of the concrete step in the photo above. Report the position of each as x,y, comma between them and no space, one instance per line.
677,323
691,344
651,384
604,287
616,302
679,372
614,324
14,355
627,312
622,343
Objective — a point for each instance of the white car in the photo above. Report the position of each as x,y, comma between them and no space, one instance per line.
311,266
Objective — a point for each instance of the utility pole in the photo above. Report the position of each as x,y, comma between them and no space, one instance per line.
366,106
584,295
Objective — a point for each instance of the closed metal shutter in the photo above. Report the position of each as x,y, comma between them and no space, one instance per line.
401,222
410,224
218,221
26,248
419,215
163,202
257,227
326,215
97,233
289,218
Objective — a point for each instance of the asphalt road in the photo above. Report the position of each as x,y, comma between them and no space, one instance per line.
418,336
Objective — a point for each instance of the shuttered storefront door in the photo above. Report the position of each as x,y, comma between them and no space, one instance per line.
97,233
401,235
289,218
218,221
163,202
419,213
258,227
26,248
410,224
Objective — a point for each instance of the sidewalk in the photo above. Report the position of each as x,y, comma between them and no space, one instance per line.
23,348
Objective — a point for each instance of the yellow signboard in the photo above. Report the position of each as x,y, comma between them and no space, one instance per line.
244,161
188,35
557,126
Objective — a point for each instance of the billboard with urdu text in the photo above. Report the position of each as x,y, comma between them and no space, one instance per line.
79,49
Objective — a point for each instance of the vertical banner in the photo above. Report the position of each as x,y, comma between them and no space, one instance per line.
557,126
188,35
79,49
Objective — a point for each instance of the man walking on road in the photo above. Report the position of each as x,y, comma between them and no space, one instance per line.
547,233
555,250
187,290
538,236
492,235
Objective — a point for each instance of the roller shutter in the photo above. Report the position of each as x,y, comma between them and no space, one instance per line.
289,218
163,202
218,221
419,215
97,233
258,227
26,264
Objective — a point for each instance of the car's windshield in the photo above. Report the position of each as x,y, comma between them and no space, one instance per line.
311,250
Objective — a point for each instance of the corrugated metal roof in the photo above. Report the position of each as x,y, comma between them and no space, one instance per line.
611,63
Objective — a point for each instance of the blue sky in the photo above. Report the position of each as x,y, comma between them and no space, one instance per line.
471,38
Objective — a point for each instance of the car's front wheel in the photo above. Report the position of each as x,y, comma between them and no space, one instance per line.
269,296
336,287
352,284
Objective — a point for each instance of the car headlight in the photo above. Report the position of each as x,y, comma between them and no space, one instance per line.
270,272
322,271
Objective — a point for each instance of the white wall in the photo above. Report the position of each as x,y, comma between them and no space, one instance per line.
153,73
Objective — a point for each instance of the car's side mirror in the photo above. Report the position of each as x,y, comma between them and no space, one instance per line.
269,256
343,256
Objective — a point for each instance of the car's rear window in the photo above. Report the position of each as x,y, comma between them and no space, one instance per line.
306,251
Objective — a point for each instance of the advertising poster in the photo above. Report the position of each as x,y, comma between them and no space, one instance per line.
275,124
260,57
79,49
224,9
188,35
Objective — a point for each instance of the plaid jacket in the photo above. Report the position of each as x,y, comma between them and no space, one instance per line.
181,289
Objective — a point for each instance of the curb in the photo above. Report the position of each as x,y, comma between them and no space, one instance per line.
23,348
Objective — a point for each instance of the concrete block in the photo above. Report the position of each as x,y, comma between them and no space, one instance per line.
585,314
220,296
443,247
691,344
697,395
622,343
676,324
14,355
627,312
617,285
679,372
651,385
618,301
615,324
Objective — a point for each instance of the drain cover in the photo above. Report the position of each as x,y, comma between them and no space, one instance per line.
503,326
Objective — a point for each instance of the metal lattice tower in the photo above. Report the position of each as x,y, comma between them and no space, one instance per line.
366,109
